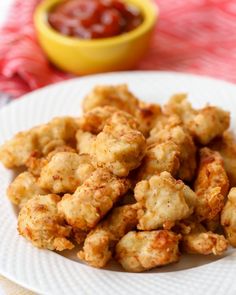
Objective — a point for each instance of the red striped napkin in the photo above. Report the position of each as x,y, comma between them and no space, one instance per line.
191,36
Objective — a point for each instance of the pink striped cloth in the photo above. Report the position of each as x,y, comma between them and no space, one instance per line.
196,36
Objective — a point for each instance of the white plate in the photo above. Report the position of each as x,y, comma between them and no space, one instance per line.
47,272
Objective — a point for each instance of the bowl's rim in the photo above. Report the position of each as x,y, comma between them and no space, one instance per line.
148,8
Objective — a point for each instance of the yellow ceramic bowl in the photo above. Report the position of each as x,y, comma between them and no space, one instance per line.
80,56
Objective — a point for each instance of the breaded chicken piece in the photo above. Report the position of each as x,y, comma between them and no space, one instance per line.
226,146
211,185
44,139
117,96
85,142
160,157
163,201
36,161
181,137
199,241
94,121
23,188
140,251
100,242
210,122
65,172
120,147
93,199
147,114
228,217
40,223
179,105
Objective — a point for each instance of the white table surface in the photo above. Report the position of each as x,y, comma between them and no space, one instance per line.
4,7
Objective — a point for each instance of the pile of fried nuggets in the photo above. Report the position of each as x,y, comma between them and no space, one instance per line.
129,180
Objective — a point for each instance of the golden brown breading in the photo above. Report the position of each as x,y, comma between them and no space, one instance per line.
147,114
95,120
180,136
100,242
93,199
160,157
40,223
163,201
117,96
140,251
199,241
120,147
226,146
228,217
85,142
44,139
211,185
65,172
23,188
179,105
36,161
210,122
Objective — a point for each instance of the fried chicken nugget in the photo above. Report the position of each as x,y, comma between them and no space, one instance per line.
117,96
40,223
204,124
94,121
226,146
44,139
36,161
85,142
100,242
211,185
228,217
23,188
65,172
180,106
210,122
181,137
93,199
120,147
163,201
140,251
158,158
199,241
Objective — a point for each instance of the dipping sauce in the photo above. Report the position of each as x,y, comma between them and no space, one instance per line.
93,19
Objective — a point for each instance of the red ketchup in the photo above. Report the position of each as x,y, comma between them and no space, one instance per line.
93,19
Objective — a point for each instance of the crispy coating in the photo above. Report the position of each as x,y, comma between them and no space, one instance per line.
36,161
226,146
210,122
120,147
117,96
100,242
199,241
140,251
211,185
228,217
180,136
147,114
23,188
65,172
95,120
158,158
40,223
85,142
93,199
44,139
163,201
180,106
